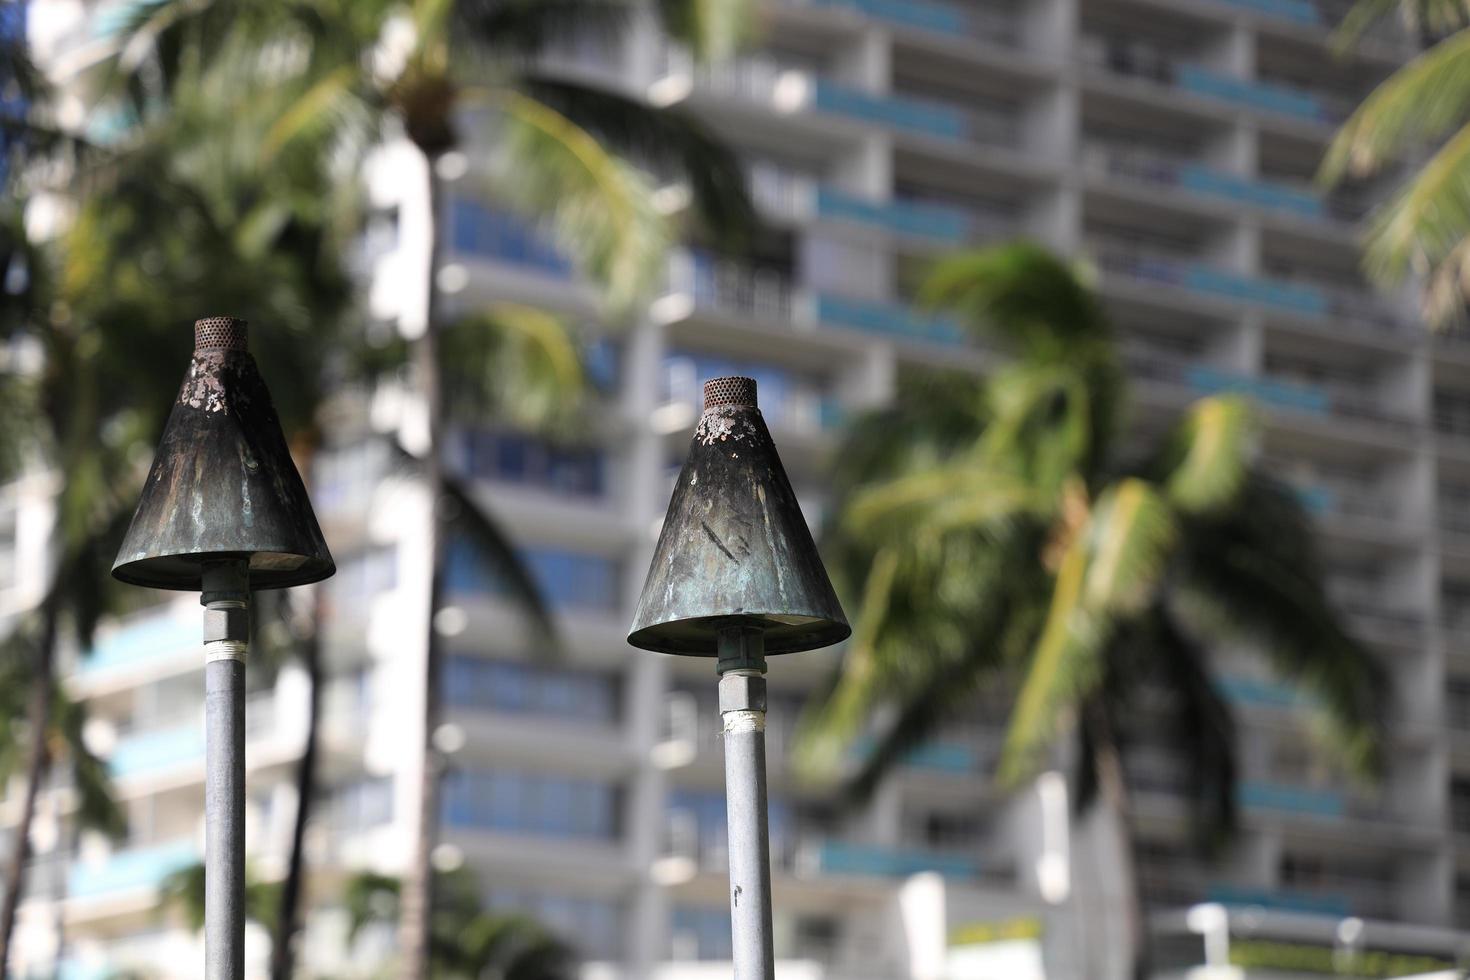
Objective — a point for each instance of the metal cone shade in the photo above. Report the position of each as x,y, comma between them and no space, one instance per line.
735,548
223,485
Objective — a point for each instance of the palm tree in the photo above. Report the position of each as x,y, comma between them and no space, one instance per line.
997,531
171,233
465,941
361,70
1423,230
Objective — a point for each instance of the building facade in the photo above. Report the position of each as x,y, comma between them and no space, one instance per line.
1170,143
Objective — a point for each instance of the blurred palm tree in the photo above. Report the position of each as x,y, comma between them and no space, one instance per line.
465,941
1423,229
172,227
448,75
998,533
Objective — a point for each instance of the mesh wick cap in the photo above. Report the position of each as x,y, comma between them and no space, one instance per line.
221,333
729,393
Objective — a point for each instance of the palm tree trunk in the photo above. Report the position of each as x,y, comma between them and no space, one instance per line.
38,721
1113,792
416,901
287,917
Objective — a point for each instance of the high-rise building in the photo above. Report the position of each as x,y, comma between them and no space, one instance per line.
1172,143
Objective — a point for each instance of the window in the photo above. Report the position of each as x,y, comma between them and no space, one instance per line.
584,696
542,804
567,579
593,926
700,933
517,458
479,230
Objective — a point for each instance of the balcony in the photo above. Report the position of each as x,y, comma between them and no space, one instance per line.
843,858
1295,11
1277,394
953,20
1341,499
1161,169
131,869
1253,691
1310,903
1130,59
169,746
1149,265
699,281
900,217
1292,799
887,319
789,90
154,634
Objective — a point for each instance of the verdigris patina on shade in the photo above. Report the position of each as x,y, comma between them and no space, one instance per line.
735,549
223,485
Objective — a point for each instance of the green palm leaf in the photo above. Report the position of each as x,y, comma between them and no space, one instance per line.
600,209
1112,569
1208,458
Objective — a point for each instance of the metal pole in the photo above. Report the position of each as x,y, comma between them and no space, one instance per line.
226,599
741,665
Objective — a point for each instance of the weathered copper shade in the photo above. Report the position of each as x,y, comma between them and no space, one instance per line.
735,549
223,485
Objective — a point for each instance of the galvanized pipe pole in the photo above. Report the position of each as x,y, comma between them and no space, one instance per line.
226,600
742,668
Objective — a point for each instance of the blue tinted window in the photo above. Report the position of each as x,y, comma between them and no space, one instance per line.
700,931
543,804
517,458
479,230
567,579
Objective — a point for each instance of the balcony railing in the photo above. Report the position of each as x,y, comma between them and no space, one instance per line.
724,286
181,742
1282,901
1296,11
1148,265
139,867
902,217
151,634
887,318
844,858
968,20
1292,799
1157,168
1250,690
1134,60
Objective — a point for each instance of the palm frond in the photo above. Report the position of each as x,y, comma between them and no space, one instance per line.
1430,18
1254,569
97,808
828,729
934,500
1422,101
1203,728
1427,220
600,209
1208,456
1022,294
667,140
512,362
1110,571
472,522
